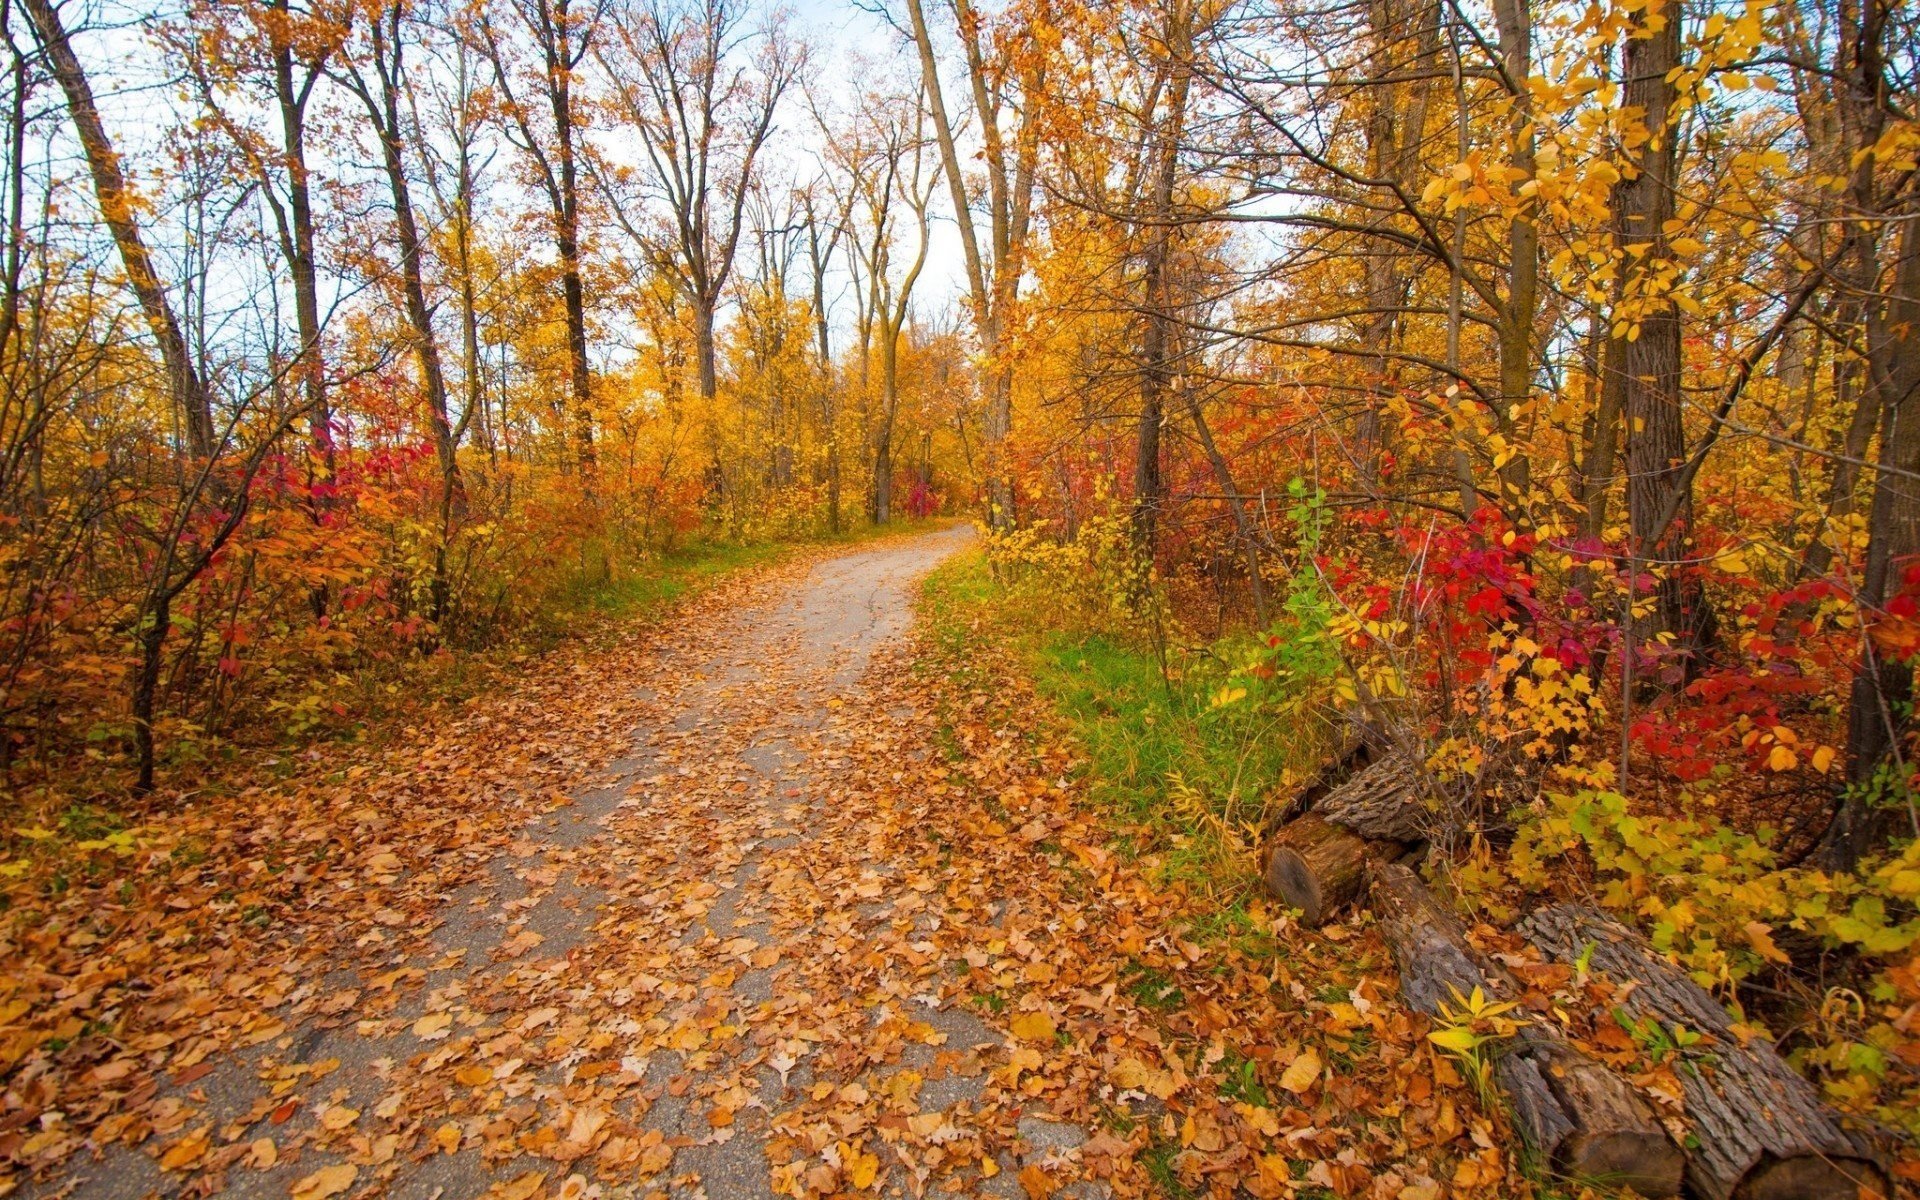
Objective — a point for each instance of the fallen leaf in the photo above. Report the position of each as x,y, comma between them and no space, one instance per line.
1301,1073
327,1181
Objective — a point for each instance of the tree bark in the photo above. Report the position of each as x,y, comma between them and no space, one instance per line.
1585,1122
117,209
1761,1129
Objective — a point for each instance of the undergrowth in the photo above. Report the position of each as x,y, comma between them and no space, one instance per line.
1159,751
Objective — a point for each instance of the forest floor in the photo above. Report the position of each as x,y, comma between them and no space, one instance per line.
772,898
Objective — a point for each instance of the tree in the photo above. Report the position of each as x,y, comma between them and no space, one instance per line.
701,91
1005,97
234,53
560,35
886,162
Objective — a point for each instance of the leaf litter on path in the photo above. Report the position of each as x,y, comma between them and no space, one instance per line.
779,945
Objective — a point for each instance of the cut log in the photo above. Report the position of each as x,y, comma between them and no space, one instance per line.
1355,753
1319,867
1318,862
1582,1120
1385,802
1761,1129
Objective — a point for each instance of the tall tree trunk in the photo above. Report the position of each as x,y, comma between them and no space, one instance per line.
1879,712
1159,301
706,350
1515,318
993,273
1659,500
567,215
302,260
118,208
383,109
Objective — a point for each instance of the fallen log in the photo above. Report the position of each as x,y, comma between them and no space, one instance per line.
1761,1129
1357,751
1582,1120
1319,867
1318,862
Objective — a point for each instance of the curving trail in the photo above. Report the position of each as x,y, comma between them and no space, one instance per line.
705,975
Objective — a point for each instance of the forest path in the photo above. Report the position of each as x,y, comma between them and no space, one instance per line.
706,975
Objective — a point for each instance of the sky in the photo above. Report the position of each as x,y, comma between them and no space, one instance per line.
851,49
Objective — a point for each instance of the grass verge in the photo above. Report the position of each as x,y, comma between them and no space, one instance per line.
1157,751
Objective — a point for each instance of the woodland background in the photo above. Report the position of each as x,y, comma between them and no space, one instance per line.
1535,379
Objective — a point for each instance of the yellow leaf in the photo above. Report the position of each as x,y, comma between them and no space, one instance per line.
185,1152
433,1026
524,1188
862,1170
1782,759
1301,1073
327,1181
339,1117
447,1137
1033,1027
1036,1182
1823,757
1760,937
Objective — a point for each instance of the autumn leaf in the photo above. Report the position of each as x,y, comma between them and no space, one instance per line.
1033,1027
1036,1183
862,1169
522,1187
325,1182
187,1151
1301,1073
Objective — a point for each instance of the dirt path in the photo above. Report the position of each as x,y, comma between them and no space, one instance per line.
636,992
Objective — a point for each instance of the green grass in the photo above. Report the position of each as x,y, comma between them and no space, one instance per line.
653,583
1157,750
659,581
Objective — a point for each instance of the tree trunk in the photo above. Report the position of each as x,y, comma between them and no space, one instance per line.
1659,500
567,216
302,261
118,208
1761,1129
1879,712
1585,1122
1157,340
1515,319
1879,706
146,686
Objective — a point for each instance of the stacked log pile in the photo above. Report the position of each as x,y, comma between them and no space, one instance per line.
1763,1132
1318,861
1758,1130
1583,1121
